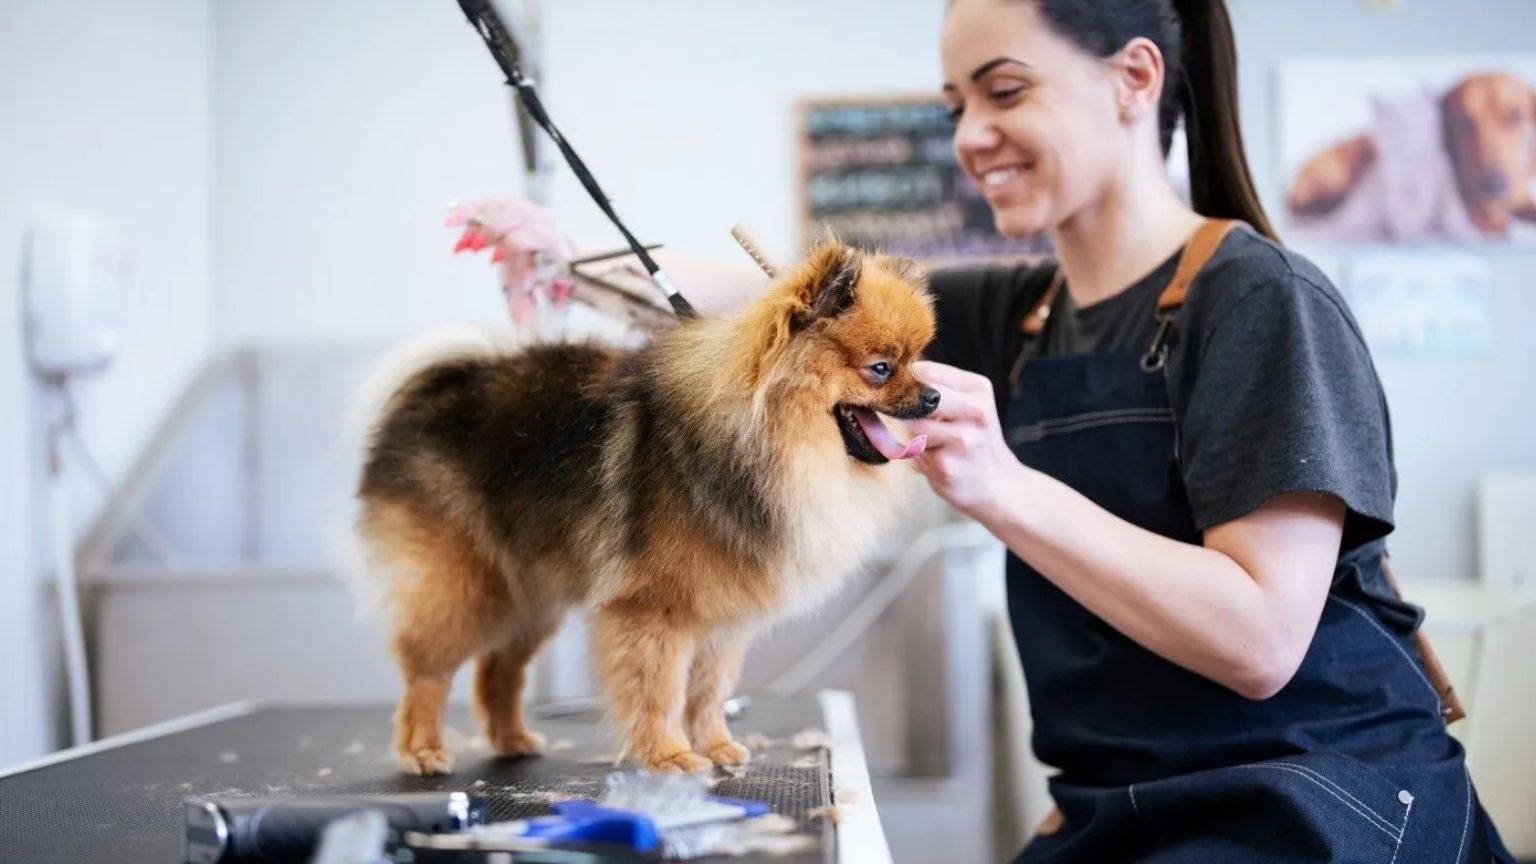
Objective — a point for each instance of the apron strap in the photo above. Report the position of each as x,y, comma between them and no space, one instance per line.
1451,707
1033,322
1201,246
1197,253
1032,325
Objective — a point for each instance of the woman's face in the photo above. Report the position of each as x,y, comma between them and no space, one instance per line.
1038,122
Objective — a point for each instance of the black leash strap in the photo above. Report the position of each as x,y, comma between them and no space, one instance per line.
482,16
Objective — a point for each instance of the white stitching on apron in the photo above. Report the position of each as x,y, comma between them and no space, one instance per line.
1406,813
1337,788
1371,620
1466,824
1396,837
1036,431
1135,809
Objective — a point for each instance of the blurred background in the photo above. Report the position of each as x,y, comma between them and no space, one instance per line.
248,195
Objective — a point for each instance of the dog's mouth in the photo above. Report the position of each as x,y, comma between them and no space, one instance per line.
867,439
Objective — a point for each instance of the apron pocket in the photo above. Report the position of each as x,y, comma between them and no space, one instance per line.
1313,807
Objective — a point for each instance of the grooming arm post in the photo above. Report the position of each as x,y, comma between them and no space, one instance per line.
483,17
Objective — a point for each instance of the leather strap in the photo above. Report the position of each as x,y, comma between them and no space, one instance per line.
1197,251
1033,322
1451,708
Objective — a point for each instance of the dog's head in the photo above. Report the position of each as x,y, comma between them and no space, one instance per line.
838,334
1490,133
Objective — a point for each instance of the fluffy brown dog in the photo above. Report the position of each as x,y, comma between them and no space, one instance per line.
727,474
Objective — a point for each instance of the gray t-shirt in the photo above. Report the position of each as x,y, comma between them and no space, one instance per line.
1269,379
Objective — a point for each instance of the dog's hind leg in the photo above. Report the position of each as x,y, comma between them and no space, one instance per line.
446,606
500,676
716,666
643,662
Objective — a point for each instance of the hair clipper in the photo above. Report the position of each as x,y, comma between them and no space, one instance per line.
263,829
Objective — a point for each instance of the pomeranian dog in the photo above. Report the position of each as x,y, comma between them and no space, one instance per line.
689,492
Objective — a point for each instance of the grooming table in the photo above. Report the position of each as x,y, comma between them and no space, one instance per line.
119,800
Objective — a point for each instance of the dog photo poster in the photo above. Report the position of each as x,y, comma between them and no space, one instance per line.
1409,151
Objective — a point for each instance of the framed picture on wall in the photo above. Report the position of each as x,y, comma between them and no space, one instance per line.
1410,151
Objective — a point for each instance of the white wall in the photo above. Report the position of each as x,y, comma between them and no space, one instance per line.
104,106
344,128
685,109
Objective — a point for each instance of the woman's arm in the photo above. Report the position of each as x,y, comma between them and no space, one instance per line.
1240,610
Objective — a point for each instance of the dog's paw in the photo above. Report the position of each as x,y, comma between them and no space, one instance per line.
728,753
525,742
686,762
426,761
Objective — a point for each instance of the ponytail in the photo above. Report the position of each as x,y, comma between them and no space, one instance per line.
1220,183
1199,87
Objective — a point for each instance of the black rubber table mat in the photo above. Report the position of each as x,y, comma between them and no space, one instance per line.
124,804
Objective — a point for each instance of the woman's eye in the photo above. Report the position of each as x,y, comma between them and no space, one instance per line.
1006,94
880,371
954,113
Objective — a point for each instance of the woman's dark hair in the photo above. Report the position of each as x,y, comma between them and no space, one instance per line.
1200,87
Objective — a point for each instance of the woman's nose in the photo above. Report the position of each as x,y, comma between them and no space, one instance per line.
974,134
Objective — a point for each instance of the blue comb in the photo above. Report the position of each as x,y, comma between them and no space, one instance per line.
638,811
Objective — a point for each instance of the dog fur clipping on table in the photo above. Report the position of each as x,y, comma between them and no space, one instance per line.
687,493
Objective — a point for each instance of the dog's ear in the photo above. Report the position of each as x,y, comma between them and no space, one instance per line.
828,280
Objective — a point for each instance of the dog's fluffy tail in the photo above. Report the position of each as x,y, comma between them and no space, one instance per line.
396,367
381,385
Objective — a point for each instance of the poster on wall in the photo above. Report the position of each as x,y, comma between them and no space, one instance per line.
1423,302
1409,151
880,172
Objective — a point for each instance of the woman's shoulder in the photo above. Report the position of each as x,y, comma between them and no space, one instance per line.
1251,272
977,307
973,280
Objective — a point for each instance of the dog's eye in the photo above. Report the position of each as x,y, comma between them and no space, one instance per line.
880,372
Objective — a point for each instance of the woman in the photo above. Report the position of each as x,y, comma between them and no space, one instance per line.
1193,481
1194,490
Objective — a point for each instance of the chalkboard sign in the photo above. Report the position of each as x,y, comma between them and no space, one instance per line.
881,174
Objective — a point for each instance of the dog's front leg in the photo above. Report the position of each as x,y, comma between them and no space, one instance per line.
716,666
643,662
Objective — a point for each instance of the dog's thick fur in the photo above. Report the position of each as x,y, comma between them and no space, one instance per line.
686,493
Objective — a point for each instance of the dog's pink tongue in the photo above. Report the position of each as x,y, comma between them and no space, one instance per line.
884,441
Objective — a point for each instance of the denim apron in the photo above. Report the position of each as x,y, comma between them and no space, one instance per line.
1349,762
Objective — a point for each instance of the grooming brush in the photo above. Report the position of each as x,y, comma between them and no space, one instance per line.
667,815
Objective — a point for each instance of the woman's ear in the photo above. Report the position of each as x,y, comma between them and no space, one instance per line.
1139,71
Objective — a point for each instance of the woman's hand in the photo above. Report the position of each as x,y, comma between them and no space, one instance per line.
1240,610
521,236
967,462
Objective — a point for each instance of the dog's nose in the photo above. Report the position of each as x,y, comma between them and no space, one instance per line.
930,398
